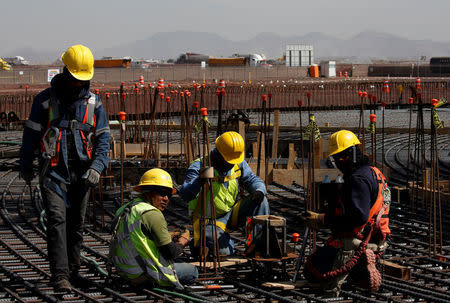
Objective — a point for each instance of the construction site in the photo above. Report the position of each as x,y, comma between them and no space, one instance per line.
157,121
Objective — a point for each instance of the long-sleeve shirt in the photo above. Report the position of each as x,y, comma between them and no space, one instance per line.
191,186
359,195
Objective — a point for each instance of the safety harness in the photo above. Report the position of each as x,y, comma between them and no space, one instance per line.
378,223
51,140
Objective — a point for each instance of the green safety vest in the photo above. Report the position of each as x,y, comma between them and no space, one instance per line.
134,254
224,198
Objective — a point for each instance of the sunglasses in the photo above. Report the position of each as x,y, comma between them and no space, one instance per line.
164,192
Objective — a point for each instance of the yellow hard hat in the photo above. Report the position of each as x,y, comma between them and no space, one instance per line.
342,140
155,177
79,61
231,146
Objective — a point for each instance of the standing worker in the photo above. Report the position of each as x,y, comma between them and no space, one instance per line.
69,125
358,219
142,250
230,172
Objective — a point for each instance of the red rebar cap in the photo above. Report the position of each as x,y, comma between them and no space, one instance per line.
374,98
308,94
373,118
369,95
204,111
434,102
217,92
161,95
364,94
136,90
295,237
360,93
122,83
269,95
168,99
196,104
122,116
107,95
97,91
300,102
383,104
181,94
169,85
411,100
222,91
264,97
26,86
122,95
159,88
203,85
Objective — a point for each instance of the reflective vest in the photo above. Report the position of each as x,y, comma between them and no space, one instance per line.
133,253
378,215
51,140
224,198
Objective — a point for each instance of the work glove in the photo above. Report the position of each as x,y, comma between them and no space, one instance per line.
27,176
257,197
312,219
91,177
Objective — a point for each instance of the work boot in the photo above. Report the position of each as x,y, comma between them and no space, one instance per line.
78,280
61,284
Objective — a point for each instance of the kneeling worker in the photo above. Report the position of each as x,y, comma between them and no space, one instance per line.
142,249
358,220
231,172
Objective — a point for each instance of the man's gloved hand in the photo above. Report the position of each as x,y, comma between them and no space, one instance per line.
257,197
27,176
312,219
91,177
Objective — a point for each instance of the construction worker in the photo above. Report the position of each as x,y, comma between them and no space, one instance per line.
142,250
358,219
68,125
229,173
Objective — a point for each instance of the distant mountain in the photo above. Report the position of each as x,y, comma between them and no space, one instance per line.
361,47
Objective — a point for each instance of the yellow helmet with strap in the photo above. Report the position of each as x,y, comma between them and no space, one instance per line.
231,146
79,61
342,140
155,177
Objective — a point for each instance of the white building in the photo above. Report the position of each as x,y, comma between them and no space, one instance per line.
299,55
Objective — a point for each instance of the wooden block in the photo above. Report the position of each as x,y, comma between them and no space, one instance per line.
134,149
241,126
284,286
396,270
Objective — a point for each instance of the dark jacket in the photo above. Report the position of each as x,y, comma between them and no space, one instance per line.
37,125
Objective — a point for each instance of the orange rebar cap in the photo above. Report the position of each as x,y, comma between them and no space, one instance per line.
373,118
204,111
122,116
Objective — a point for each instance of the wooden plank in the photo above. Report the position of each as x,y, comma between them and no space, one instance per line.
396,270
241,128
224,263
291,159
276,130
286,177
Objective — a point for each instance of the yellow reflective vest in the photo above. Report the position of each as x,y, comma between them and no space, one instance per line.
133,253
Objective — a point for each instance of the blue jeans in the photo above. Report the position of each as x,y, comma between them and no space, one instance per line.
187,273
246,208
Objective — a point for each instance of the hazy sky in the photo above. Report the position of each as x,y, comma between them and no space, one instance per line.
52,24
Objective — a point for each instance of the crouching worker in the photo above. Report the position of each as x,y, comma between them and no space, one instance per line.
358,220
142,249
229,173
